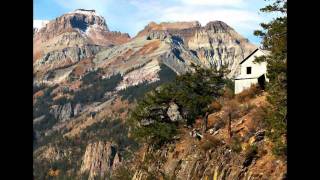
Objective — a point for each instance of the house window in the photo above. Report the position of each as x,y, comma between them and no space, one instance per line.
248,70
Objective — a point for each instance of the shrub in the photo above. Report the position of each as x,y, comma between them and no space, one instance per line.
121,110
248,94
209,143
251,151
122,173
228,93
258,115
230,86
249,155
231,108
235,144
216,105
156,134
275,123
279,148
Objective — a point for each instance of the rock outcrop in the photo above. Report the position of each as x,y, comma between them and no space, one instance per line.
100,158
52,153
62,112
173,112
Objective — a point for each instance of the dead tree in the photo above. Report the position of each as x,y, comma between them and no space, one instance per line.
229,126
205,122
231,108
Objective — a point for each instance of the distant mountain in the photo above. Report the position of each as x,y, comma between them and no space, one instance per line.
72,37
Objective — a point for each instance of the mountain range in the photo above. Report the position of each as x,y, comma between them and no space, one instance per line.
87,78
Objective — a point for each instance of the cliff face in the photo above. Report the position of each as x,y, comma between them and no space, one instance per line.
99,159
214,44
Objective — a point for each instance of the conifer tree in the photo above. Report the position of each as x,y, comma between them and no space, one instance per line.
274,35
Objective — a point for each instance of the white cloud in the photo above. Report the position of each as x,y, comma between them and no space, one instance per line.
214,2
235,18
98,5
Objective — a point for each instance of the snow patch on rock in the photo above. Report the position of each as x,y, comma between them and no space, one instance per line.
39,23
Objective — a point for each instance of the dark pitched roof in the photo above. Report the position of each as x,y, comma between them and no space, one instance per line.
249,56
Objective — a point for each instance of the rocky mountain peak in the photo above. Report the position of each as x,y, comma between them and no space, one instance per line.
83,19
72,37
180,25
169,26
80,19
217,26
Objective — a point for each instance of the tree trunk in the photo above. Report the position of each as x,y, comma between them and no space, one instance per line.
205,122
229,127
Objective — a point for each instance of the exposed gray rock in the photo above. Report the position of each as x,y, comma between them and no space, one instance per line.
157,35
146,122
62,112
173,112
66,112
99,159
53,153
77,109
38,119
75,54
218,27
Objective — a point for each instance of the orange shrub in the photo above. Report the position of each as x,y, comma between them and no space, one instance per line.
228,93
216,105
209,143
247,94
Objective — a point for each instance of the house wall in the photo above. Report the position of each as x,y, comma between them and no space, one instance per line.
257,69
244,80
243,84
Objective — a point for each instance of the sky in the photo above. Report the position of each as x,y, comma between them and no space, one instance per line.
131,16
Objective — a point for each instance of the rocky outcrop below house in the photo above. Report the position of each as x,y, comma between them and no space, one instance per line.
100,159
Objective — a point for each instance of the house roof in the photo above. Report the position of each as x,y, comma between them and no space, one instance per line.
249,56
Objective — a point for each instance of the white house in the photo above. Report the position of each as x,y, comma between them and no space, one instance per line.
250,72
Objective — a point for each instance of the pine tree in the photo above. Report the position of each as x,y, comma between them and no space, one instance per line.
274,35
